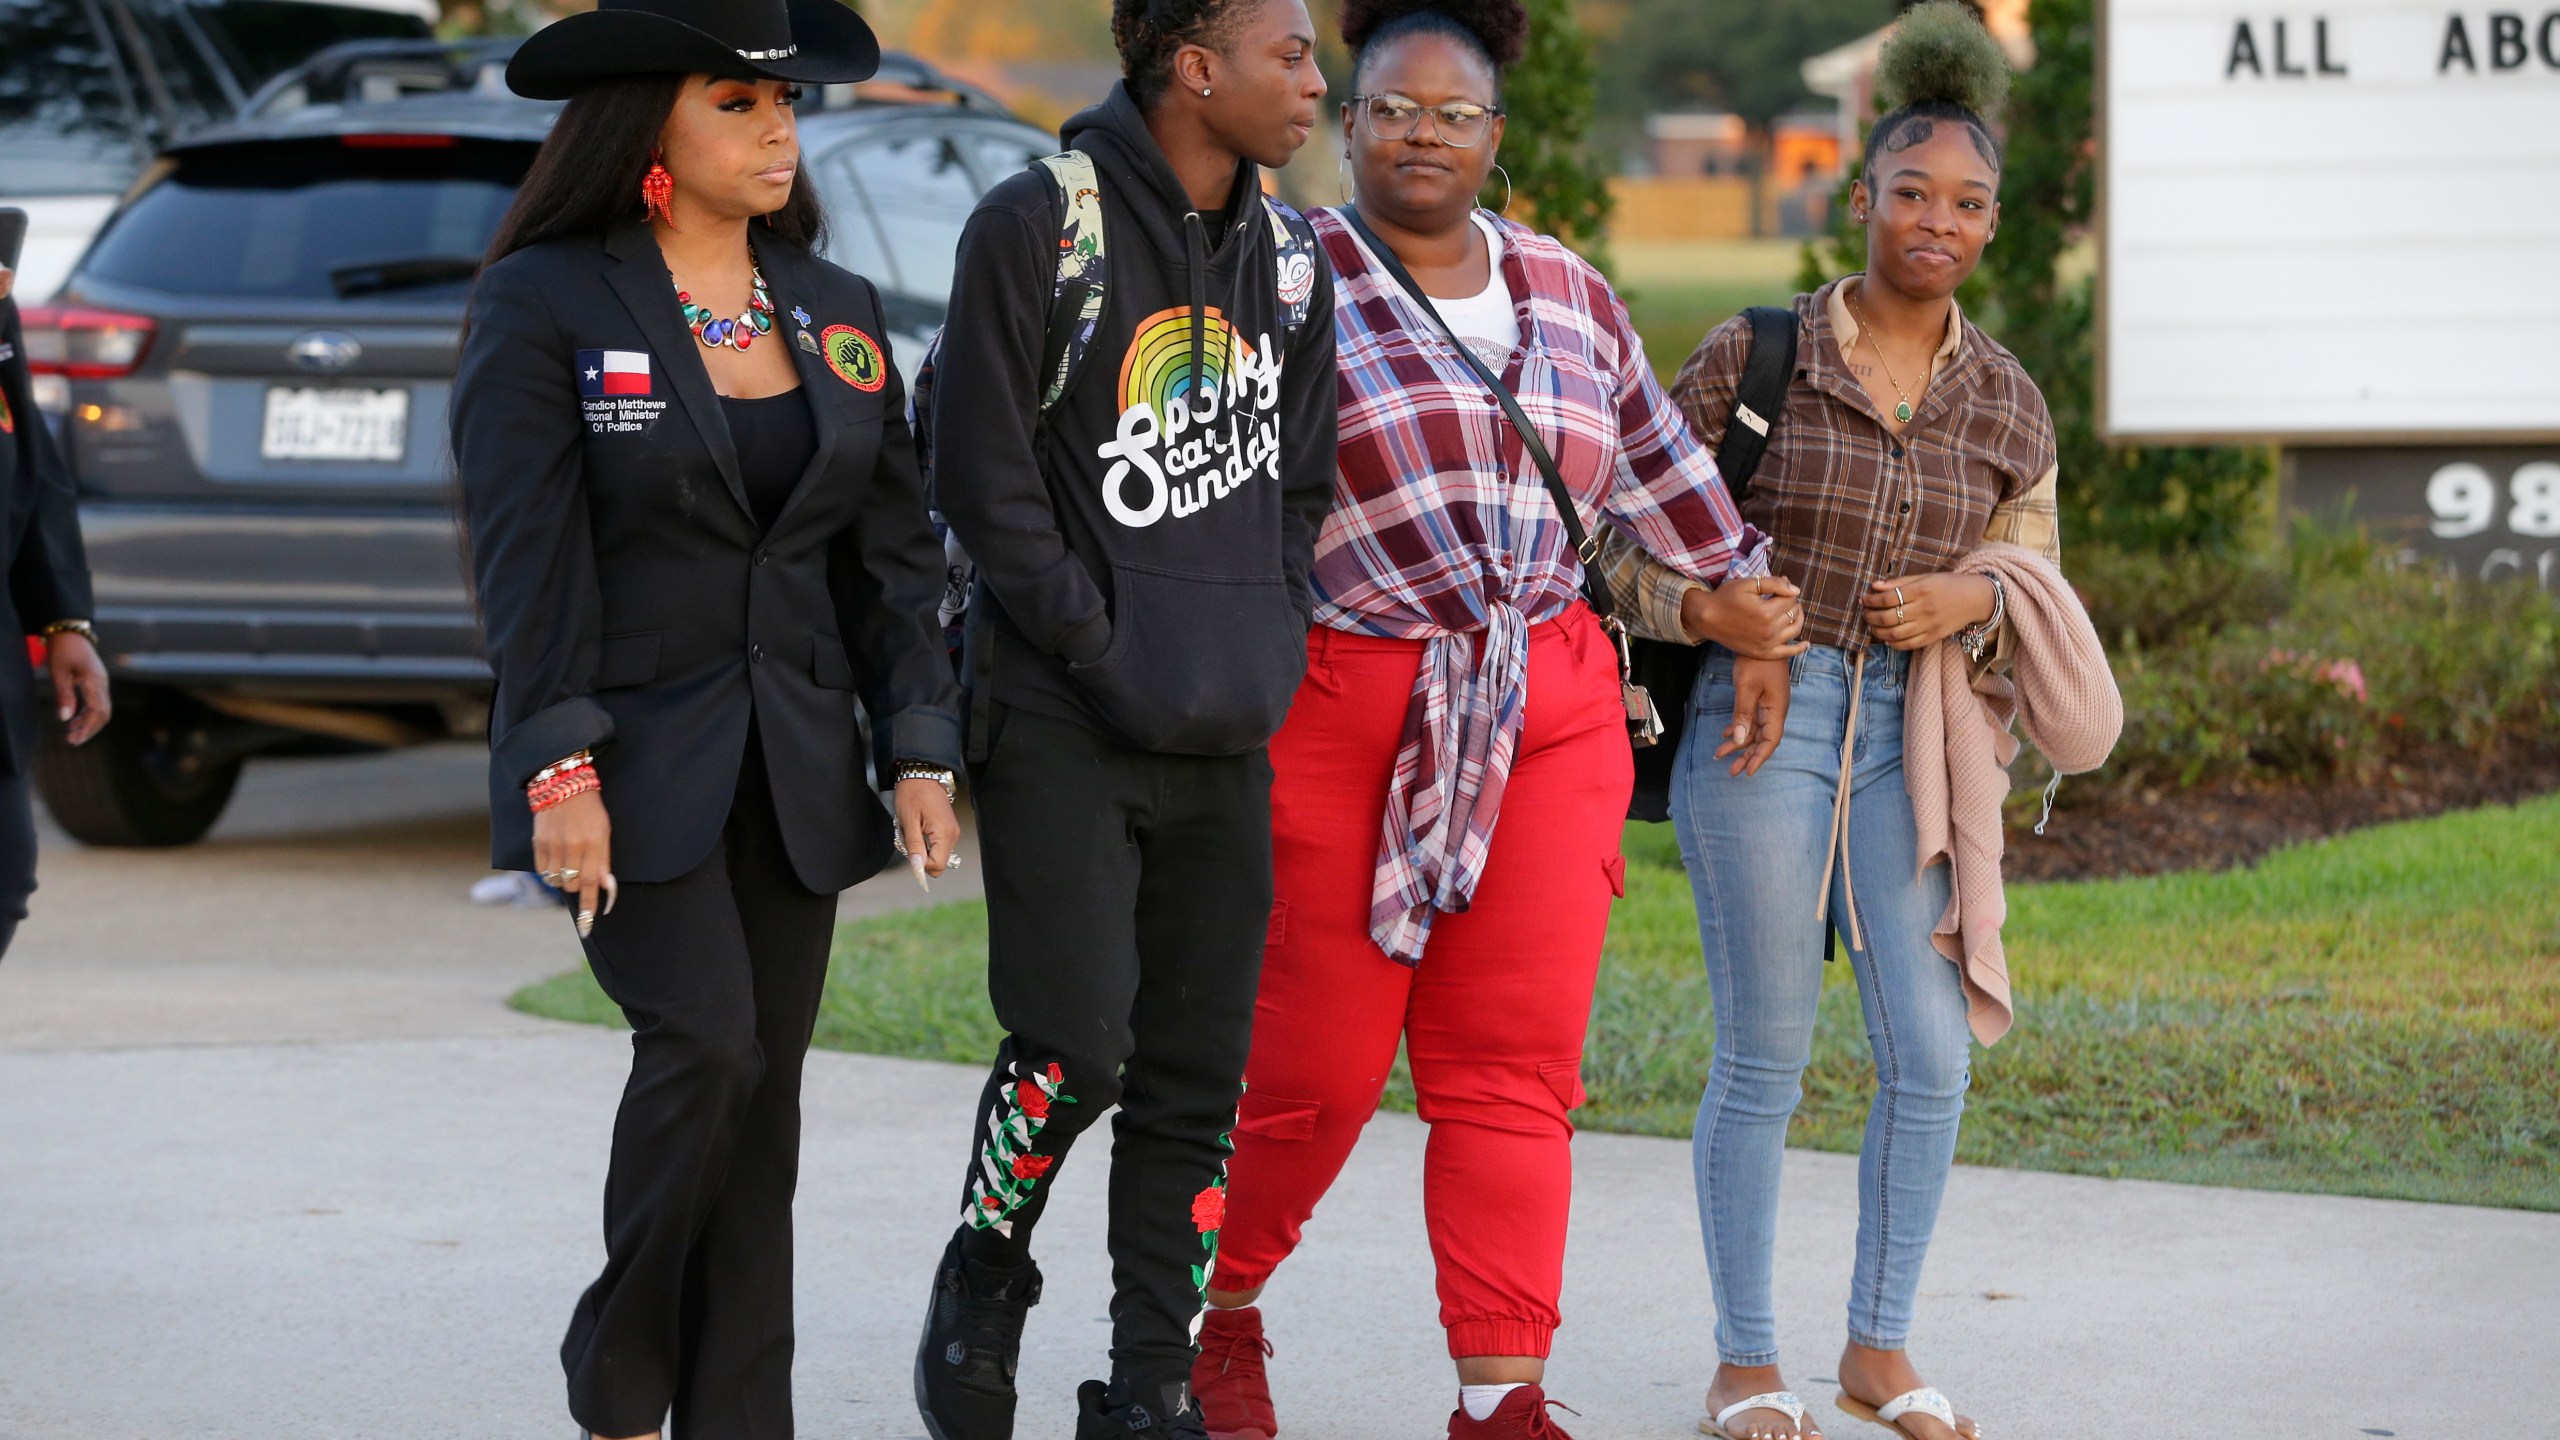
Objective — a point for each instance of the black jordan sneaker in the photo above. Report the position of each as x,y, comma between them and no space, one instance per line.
972,1345
1159,1409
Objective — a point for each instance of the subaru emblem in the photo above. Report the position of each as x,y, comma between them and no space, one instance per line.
323,350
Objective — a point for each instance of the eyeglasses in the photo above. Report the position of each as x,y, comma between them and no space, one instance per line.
1459,124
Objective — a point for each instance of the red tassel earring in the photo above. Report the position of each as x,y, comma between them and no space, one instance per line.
657,189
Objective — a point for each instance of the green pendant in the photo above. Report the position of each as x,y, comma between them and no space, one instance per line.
1902,412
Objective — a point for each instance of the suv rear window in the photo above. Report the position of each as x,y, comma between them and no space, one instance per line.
316,219
88,88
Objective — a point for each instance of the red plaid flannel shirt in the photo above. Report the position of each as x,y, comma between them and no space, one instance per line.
1443,529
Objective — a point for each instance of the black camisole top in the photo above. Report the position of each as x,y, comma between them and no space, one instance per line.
775,436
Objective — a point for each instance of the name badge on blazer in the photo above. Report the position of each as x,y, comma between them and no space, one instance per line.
618,392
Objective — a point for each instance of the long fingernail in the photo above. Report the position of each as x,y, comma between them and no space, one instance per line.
586,923
915,864
66,714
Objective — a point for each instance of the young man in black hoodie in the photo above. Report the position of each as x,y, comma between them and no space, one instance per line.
1142,537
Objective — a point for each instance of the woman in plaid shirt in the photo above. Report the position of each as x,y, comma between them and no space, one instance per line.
1455,675
1908,439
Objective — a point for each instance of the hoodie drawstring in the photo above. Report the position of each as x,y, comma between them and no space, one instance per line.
1196,242
1835,850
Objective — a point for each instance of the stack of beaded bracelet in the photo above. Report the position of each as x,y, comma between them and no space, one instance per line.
558,783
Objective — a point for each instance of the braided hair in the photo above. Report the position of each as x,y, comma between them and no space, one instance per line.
1496,30
1149,33
1940,65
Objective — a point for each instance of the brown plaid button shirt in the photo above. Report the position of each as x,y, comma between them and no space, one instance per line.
1848,500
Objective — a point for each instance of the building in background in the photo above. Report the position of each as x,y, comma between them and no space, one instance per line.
1707,180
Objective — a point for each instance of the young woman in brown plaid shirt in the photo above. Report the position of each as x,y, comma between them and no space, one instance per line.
1908,439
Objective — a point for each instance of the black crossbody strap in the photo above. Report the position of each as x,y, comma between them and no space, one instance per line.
1592,590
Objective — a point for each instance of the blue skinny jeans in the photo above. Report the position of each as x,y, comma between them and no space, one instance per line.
1754,847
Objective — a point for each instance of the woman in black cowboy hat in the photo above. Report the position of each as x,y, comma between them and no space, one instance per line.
699,536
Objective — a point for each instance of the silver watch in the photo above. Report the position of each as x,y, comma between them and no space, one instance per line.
935,773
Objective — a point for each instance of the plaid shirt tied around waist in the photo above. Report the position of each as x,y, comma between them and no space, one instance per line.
1443,531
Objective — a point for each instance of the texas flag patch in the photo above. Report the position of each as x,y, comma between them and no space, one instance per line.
613,372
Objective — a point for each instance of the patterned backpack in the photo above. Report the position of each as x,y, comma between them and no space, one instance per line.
1075,314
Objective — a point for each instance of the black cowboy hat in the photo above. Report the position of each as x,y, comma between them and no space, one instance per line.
814,42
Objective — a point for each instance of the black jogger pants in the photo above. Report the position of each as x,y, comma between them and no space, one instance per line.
1127,897
719,973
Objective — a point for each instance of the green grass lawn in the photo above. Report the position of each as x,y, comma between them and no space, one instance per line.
2374,1015
1677,293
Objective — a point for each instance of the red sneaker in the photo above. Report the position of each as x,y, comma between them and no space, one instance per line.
1228,1381
1521,1416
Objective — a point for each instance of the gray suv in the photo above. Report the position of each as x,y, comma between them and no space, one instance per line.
250,369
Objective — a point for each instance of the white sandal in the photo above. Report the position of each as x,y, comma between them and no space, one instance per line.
1924,1401
1785,1402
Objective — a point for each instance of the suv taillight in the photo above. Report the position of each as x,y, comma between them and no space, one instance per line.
85,344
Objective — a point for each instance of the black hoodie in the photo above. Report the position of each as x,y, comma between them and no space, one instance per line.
1143,548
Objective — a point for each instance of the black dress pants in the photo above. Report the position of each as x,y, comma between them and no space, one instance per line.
720,973
1127,898
17,853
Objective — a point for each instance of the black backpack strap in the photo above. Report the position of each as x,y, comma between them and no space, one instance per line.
1761,399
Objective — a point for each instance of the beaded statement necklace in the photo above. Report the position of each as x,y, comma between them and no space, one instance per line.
737,334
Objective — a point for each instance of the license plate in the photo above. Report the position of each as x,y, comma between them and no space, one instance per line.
336,425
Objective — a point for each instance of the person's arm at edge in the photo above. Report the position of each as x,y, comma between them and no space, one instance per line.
887,573
49,574
520,455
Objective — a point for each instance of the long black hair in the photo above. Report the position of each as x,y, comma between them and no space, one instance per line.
587,179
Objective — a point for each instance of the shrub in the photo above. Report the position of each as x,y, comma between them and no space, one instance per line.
2330,661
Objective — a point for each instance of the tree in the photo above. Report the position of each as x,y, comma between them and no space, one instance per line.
1745,58
1549,97
2161,498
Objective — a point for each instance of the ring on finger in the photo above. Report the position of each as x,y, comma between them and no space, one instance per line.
1897,595
1897,613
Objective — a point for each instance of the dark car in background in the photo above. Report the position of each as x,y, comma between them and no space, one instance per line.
251,368
90,90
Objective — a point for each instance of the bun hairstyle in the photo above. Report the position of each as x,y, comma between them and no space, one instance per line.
1149,33
1940,65
1498,30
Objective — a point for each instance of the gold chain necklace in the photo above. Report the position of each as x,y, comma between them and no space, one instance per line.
1901,413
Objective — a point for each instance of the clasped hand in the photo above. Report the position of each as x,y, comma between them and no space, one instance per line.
1761,620
1913,612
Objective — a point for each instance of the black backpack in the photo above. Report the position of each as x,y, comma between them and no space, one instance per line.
1669,671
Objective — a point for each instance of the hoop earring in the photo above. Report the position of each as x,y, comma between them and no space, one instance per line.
657,190
1506,186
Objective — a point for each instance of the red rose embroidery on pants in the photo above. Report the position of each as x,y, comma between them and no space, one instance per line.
1209,1210
1032,1167
1033,1100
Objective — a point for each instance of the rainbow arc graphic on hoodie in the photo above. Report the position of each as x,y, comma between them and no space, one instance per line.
1157,371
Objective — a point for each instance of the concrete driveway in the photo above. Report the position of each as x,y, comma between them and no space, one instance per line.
276,1162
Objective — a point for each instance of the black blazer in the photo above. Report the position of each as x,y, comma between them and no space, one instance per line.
48,574
630,602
